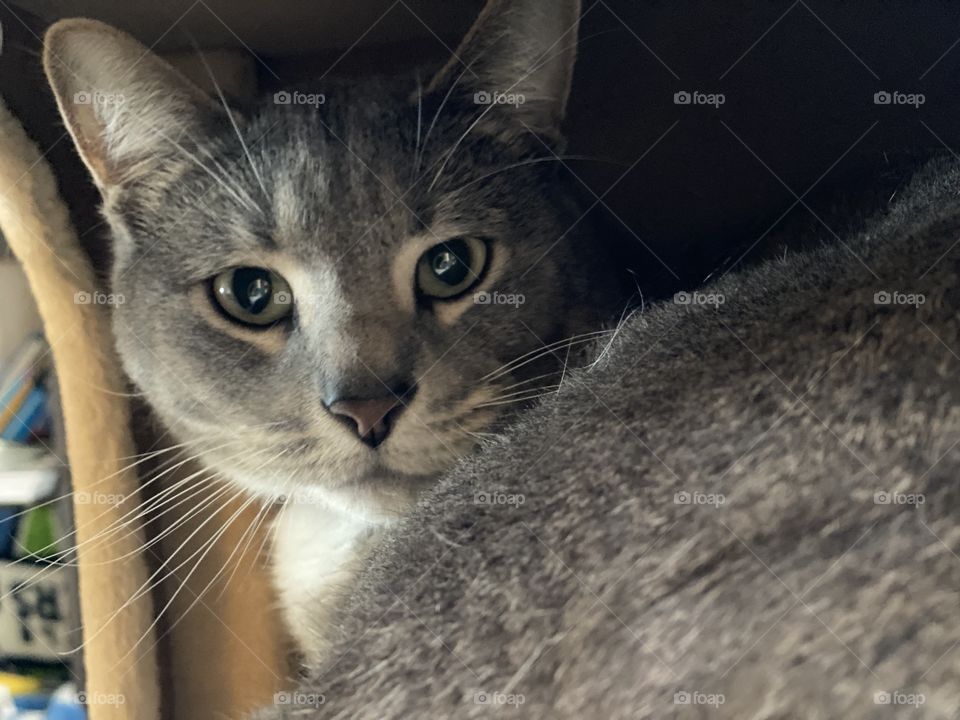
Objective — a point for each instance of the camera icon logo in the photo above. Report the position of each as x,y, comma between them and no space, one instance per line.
82,297
682,98
482,98
681,498
282,98
882,98
681,698
83,98
882,298
283,298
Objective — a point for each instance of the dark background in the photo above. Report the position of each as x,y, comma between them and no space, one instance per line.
797,153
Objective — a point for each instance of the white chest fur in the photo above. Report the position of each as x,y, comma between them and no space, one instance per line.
314,557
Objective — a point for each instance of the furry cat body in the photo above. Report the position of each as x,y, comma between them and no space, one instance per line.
740,510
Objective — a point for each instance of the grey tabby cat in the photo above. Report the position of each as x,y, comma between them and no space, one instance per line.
332,304
741,509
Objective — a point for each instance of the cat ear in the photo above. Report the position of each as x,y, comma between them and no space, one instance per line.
123,105
519,54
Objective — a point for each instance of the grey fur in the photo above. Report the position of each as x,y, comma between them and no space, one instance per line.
601,596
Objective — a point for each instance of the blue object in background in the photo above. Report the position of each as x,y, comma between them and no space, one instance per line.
29,416
8,528
65,704
62,711
31,702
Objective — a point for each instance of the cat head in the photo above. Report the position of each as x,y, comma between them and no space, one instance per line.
339,294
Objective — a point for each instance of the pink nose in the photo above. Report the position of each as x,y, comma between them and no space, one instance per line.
372,419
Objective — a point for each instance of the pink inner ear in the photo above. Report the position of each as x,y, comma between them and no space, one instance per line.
91,144
143,93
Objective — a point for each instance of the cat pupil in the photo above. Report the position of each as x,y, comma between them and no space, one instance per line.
444,262
252,288
447,264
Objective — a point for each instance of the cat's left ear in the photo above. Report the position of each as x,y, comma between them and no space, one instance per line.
124,106
518,56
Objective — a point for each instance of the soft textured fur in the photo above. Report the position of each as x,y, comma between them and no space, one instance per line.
604,595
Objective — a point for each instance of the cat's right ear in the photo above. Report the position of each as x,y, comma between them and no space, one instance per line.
123,105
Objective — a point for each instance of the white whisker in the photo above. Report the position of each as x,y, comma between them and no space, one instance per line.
531,394
538,353
204,551
219,180
233,123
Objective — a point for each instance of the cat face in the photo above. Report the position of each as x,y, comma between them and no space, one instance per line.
341,295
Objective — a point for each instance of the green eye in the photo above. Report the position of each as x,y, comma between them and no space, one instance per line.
252,295
451,268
